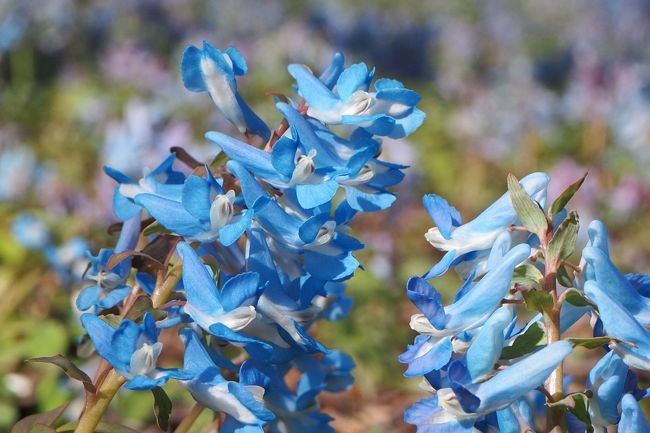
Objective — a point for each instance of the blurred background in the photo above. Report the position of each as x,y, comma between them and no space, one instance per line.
508,86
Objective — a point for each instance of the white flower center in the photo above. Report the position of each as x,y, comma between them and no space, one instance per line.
222,209
357,104
144,359
304,168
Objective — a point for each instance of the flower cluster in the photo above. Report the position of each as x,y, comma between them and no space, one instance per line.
241,255
487,363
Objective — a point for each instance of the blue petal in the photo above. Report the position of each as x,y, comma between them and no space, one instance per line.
196,198
238,61
101,334
256,348
332,268
200,288
88,297
442,266
633,419
486,347
283,156
403,96
129,235
254,159
310,228
353,78
240,290
428,301
512,383
191,70
445,216
312,89
333,70
312,195
170,214
114,297
426,355
368,202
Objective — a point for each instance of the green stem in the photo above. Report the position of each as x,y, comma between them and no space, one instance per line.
190,419
96,405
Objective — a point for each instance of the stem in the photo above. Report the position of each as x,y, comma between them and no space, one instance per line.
555,422
96,406
162,291
187,422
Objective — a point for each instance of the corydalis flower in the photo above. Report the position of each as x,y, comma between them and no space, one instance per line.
388,111
213,71
131,349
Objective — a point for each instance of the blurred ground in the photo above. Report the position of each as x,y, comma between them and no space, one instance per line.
561,86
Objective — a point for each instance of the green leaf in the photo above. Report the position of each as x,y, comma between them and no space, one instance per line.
538,300
71,370
529,212
141,306
33,423
112,319
527,275
102,427
574,297
162,408
578,404
563,277
568,193
219,160
591,343
532,339
564,240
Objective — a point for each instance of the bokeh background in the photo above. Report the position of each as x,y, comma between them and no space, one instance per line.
508,86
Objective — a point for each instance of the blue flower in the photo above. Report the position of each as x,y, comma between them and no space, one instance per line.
110,287
463,241
162,181
456,409
132,350
317,241
607,380
388,111
599,268
213,71
317,163
30,231
205,212
632,419
437,324
241,402
296,411
634,341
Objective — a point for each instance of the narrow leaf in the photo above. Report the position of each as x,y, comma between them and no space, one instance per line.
574,297
529,212
532,339
563,277
591,343
564,240
45,419
141,306
155,228
162,408
568,193
71,370
116,259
